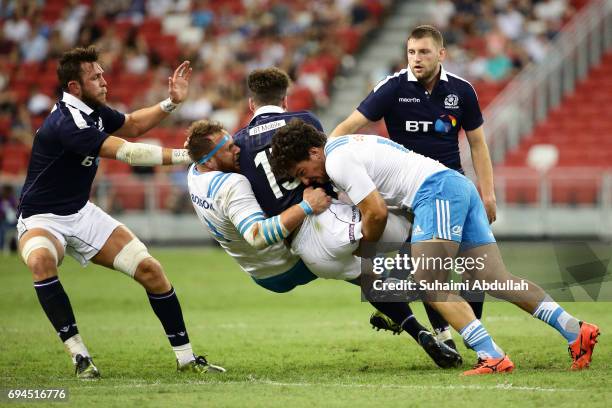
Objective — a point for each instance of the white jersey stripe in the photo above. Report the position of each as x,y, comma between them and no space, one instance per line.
464,80
384,81
438,218
77,117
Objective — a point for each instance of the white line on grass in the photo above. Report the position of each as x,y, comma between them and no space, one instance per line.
250,380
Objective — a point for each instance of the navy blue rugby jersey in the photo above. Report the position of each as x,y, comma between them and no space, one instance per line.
64,157
426,123
274,196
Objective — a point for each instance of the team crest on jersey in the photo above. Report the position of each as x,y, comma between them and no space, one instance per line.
100,124
451,101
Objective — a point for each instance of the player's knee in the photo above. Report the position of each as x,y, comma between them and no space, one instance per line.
41,257
130,257
150,275
42,264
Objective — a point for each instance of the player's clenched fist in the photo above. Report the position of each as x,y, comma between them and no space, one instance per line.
317,198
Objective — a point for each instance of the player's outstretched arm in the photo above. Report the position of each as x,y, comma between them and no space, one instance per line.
484,170
140,121
265,232
141,154
350,125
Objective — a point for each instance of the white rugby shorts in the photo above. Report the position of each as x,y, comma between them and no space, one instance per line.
81,234
326,242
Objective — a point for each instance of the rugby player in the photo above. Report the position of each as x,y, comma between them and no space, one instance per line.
57,218
424,108
450,220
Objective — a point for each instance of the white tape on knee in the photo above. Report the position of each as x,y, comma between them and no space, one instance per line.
35,243
130,256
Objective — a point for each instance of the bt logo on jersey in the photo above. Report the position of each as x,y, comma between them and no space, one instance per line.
417,125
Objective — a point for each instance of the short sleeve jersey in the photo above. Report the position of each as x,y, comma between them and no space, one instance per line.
360,164
427,124
64,157
254,141
226,205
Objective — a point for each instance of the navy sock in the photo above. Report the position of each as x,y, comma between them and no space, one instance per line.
168,310
56,305
399,312
436,319
476,301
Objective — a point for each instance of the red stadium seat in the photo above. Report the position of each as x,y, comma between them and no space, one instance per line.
571,187
579,130
15,158
521,185
300,98
128,194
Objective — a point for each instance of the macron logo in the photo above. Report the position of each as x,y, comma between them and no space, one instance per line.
410,100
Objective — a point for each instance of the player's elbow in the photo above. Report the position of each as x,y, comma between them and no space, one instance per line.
376,215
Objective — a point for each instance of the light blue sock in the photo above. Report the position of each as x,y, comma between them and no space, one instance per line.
550,312
477,337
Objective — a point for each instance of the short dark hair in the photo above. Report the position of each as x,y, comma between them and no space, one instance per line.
423,31
291,145
199,138
69,68
268,86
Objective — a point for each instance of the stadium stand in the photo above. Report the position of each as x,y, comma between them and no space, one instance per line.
488,43
579,134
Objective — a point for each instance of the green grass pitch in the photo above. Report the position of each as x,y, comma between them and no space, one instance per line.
310,347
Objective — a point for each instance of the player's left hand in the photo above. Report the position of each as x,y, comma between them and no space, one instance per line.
490,205
178,83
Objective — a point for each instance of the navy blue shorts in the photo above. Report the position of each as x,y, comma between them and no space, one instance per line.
298,275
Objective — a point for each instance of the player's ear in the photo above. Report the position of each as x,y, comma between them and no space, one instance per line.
285,103
74,88
442,53
314,153
252,105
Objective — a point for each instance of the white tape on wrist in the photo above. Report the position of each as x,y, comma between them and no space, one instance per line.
168,106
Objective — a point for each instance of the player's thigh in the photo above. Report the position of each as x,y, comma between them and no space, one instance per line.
430,259
483,262
118,239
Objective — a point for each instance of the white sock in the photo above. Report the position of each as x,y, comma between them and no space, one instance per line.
443,335
184,354
74,346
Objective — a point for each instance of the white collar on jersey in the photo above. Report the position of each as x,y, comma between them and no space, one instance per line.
443,76
76,102
268,109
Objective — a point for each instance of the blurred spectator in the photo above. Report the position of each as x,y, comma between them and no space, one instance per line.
551,10
38,103
510,22
8,218
16,28
35,47
57,46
